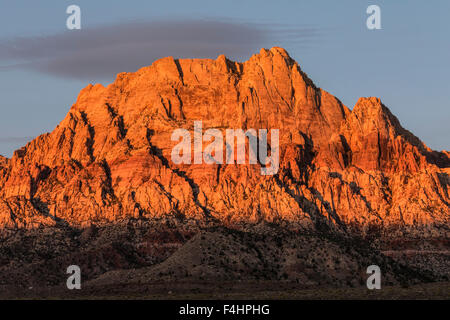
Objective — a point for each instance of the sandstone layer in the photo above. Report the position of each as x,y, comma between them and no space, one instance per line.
110,158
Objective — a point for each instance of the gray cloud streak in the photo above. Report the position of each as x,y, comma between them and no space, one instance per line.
102,52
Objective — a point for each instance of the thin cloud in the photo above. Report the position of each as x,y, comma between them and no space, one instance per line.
102,52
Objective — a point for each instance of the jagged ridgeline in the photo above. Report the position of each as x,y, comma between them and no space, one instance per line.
110,158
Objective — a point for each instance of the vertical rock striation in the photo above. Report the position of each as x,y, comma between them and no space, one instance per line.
110,158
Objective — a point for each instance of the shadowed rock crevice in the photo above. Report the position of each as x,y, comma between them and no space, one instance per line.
91,138
43,209
355,190
107,187
194,187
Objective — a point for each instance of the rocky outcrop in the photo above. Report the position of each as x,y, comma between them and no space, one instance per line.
110,158
3,161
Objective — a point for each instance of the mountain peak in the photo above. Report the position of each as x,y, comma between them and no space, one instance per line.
372,110
280,51
369,102
275,51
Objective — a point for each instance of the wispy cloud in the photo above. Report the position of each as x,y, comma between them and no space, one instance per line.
100,53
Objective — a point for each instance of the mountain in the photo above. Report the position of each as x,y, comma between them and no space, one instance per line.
351,188
110,158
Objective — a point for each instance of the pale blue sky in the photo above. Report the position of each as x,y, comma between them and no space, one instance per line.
405,64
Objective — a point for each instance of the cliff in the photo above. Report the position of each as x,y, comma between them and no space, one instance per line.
110,158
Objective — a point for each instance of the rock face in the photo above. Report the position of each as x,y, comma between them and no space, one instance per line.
110,158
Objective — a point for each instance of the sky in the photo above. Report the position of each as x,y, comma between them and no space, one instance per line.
43,65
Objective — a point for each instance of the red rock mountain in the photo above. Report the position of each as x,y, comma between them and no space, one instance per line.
110,158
